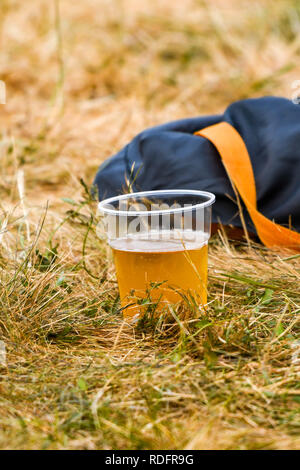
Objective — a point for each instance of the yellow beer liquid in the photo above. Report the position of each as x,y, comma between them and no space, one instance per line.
178,263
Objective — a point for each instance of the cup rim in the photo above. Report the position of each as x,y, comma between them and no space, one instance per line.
211,199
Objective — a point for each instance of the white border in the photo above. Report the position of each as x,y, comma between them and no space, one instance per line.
211,199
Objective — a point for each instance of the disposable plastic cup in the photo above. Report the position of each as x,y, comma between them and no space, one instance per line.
159,241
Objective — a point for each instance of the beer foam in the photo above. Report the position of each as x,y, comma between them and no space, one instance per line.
161,241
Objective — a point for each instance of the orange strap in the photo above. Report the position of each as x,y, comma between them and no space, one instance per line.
236,160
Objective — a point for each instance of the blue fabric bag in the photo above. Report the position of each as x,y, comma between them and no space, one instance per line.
170,156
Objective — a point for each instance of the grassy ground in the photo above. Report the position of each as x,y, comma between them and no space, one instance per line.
82,79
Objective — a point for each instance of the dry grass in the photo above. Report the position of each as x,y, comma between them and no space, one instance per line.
82,79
